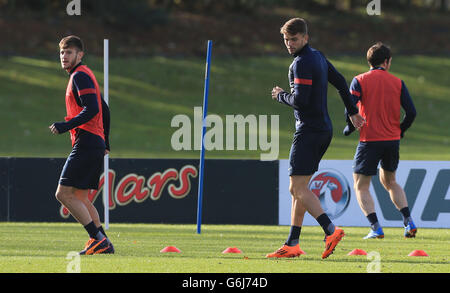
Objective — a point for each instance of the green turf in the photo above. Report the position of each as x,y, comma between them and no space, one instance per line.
146,93
43,247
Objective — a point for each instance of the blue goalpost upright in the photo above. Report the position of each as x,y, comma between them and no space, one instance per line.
202,152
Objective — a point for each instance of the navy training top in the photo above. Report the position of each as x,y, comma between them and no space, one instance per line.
309,75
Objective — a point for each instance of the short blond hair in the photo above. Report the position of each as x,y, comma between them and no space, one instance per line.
71,41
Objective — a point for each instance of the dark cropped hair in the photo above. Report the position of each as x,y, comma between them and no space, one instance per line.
378,53
294,26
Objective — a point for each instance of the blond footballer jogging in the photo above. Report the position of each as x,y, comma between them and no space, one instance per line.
87,121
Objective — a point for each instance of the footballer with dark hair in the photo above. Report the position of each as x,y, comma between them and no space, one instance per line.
381,96
309,75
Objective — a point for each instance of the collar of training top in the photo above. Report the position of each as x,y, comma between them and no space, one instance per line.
302,50
73,69
377,68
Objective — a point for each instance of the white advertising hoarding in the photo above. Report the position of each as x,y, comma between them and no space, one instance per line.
426,184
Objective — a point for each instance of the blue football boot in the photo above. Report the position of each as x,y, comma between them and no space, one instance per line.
410,230
375,234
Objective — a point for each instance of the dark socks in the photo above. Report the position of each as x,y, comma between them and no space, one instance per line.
294,236
103,231
93,231
326,224
373,219
406,214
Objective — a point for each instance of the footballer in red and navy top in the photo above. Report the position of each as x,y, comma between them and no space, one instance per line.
384,95
381,96
87,120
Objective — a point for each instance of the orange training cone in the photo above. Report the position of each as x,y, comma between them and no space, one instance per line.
170,249
232,250
418,253
357,252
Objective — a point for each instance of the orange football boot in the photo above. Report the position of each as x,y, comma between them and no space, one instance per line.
95,247
331,241
88,243
286,251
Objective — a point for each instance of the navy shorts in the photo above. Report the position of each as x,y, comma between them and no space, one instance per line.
307,150
83,168
369,154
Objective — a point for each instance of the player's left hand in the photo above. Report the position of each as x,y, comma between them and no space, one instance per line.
275,91
53,129
358,121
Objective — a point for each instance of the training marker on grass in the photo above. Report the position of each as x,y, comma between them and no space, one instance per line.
418,253
170,249
232,250
357,252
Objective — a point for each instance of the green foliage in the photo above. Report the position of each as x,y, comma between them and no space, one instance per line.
146,93
117,13
120,12
244,6
308,5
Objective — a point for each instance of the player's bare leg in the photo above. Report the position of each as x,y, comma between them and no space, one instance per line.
396,192
299,188
67,196
398,197
367,205
362,185
82,195
292,248
305,200
97,243
297,212
300,191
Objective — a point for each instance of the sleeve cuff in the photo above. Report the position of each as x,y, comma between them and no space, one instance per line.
352,111
61,127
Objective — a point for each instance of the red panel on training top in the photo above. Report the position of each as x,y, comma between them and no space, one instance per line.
303,81
355,93
95,125
87,92
380,105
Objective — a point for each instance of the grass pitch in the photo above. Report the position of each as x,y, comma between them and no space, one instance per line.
44,247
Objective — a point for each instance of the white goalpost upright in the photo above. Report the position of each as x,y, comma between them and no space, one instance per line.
106,158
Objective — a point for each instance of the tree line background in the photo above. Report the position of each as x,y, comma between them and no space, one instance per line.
148,12
227,5
239,27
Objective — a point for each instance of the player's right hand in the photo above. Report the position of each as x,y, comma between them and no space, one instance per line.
358,121
275,91
53,129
